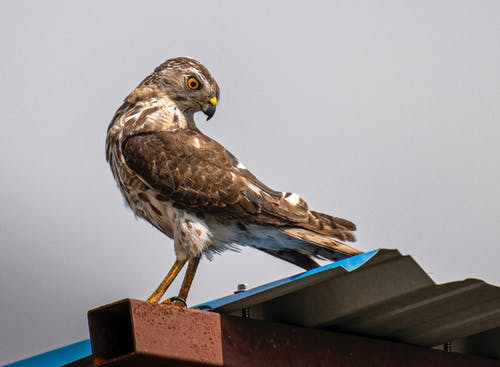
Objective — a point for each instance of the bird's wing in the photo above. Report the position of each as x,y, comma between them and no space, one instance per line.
195,172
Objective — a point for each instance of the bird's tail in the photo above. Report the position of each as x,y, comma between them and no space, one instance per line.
325,235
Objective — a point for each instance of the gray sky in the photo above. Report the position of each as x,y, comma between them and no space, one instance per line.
386,113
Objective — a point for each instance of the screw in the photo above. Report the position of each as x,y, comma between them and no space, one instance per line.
242,287
447,347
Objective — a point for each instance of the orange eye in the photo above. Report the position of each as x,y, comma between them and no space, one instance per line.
193,83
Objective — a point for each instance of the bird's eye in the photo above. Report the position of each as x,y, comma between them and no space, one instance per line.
193,83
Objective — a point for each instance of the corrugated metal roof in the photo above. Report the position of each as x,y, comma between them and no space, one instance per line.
382,294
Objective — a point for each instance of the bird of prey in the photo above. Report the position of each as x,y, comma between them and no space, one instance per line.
193,190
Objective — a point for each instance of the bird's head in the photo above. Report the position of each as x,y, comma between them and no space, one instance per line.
187,83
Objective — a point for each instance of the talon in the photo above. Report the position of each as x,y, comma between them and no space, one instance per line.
168,301
176,301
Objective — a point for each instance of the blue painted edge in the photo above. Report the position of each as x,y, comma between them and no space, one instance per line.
349,264
57,357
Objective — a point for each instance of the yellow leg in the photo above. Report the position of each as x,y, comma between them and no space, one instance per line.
169,278
188,280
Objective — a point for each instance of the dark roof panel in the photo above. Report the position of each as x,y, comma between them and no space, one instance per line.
380,293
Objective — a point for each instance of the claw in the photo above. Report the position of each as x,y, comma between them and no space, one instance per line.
175,301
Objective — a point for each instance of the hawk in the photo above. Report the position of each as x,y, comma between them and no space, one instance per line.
193,190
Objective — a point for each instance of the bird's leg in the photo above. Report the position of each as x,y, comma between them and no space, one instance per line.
188,278
169,278
180,300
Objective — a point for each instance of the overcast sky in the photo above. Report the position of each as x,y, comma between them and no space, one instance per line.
386,113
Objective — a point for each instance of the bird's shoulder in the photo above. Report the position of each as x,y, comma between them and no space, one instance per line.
192,147
188,167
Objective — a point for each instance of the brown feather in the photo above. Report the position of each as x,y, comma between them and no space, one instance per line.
321,240
162,162
206,178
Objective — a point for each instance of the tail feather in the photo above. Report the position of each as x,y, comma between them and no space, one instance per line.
321,235
321,246
327,225
337,221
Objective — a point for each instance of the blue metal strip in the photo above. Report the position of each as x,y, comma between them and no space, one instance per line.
57,357
349,264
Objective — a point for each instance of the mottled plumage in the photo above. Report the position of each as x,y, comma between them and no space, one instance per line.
192,189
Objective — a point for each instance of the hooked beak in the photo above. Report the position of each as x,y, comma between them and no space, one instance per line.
209,107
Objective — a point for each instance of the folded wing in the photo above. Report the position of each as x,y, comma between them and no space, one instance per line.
197,173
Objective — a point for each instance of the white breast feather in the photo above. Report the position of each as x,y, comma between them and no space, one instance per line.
192,236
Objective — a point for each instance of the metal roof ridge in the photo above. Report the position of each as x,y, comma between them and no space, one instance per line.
348,264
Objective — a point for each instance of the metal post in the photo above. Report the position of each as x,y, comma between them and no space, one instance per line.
136,333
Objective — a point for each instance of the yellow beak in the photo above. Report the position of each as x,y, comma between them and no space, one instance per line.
213,101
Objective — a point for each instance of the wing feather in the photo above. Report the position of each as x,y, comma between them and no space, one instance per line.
196,172
189,176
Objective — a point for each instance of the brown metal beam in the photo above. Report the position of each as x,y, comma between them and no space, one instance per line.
136,333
